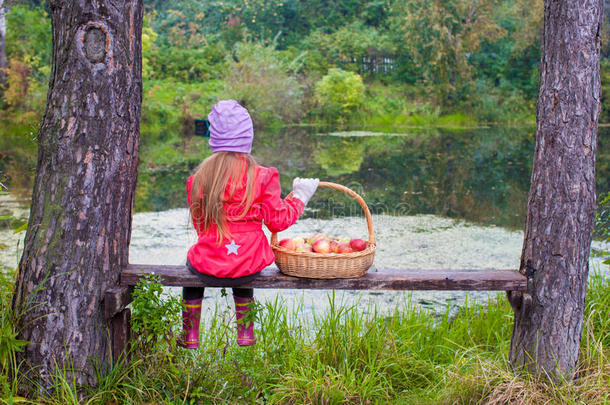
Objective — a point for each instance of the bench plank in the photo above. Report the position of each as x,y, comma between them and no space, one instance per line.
381,279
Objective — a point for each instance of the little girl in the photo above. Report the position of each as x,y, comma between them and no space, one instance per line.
230,196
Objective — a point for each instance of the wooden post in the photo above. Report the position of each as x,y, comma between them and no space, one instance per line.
121,334
119,319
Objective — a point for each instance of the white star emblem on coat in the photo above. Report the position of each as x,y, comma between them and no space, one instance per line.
232,248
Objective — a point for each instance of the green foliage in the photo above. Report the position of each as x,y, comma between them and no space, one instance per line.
330,15
339,93
597,307
349,44
32,45
439,37
493,105
264,20
154,317
149,36
188,64
182,23
9,344
511,63
263,81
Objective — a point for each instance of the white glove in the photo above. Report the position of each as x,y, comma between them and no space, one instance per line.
303,189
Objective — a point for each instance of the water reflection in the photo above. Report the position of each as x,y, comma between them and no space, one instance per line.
480,175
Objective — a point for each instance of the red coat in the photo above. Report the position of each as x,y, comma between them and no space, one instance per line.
247,250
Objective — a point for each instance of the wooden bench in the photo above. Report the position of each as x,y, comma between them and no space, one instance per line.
117,299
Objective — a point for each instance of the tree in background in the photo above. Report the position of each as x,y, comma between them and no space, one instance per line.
80,218
29,58
346,46
505,70
439,37
149,36
3,60
561,207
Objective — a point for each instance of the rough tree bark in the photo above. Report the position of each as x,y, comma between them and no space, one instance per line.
3,60
561,206
80,217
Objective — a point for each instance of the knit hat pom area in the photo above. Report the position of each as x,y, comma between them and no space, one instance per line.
230,127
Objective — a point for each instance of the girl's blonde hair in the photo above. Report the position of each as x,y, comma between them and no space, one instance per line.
208,190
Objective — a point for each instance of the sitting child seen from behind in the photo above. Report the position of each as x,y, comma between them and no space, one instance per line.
230,197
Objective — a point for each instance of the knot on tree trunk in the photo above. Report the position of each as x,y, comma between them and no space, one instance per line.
94,45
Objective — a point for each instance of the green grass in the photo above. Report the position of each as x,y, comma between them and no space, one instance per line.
409,356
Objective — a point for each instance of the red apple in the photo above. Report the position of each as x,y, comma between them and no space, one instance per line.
321,246
344,248
357,244
333,246
288,244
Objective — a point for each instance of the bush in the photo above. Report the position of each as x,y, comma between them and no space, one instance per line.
492,105
339,94
154,316
187,64
261,80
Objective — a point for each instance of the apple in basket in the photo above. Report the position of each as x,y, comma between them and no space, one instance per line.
288,244
334,244
321,246
303,247
344,248
313,238
357,244
298,241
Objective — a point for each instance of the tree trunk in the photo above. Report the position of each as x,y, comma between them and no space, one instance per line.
561,206
80,218
3,60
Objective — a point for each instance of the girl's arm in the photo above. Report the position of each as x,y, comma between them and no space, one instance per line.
278,214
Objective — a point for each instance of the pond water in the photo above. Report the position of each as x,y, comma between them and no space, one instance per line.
478,175
440,199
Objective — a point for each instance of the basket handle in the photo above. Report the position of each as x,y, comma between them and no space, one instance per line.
355,196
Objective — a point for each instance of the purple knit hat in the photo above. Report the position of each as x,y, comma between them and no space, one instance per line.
230,128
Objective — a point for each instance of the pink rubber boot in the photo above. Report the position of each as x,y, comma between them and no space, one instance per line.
190,323
245,333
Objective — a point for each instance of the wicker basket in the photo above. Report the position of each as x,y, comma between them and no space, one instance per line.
328,265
